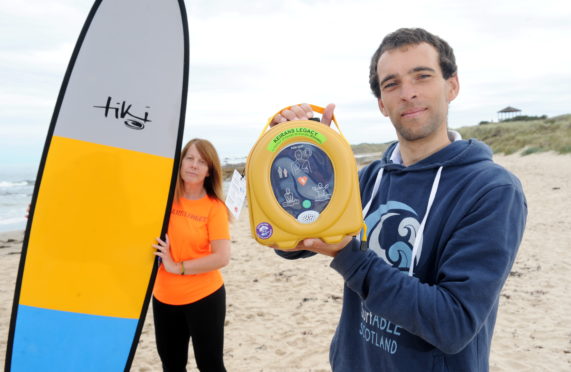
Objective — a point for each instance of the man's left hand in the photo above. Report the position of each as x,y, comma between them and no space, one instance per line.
319,246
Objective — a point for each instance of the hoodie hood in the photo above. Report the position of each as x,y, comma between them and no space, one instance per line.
460,152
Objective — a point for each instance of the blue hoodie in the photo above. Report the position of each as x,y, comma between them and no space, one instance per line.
439,314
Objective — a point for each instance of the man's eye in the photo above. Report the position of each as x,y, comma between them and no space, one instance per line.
389,85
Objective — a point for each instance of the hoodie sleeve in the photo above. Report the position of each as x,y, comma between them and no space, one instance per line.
472,269
294,255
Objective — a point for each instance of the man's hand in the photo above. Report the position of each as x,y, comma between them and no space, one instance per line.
319,246
302,112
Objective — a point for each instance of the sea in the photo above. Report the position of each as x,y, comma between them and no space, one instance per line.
16,188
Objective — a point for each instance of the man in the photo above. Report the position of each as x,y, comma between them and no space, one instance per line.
444,224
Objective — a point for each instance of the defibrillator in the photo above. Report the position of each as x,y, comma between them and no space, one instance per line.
302,183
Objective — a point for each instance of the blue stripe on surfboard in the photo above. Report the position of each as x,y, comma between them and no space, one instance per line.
52,340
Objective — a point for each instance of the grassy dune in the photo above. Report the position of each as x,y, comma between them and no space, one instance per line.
552,134
527,137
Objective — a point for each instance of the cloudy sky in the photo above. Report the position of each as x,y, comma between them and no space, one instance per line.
251,58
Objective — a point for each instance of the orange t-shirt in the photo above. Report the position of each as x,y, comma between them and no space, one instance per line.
192,225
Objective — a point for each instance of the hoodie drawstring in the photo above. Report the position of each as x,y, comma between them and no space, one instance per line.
417,247
363,238
375,189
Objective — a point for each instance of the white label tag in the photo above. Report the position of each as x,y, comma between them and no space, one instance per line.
236,194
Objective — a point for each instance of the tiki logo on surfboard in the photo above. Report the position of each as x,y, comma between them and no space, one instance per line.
122,111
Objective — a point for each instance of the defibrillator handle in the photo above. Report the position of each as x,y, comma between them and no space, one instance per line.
315,108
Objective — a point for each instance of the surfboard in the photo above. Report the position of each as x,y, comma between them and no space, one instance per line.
103,191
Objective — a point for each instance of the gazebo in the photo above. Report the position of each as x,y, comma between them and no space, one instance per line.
508,113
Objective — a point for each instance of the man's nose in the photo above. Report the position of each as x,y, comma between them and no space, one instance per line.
408,91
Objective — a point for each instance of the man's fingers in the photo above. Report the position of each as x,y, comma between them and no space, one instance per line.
328,114
308,110
289,115
302,112
277,120
312,243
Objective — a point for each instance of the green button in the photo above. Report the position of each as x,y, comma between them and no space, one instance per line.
306,204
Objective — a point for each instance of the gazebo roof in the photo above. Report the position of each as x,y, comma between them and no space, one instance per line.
510,109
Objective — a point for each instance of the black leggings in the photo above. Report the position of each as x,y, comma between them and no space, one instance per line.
203,321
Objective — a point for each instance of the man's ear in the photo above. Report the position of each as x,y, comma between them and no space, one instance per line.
453,87
382,106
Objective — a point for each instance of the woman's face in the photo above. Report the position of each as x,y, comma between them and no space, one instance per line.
194,168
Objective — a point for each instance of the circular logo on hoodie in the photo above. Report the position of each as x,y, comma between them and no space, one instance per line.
392,230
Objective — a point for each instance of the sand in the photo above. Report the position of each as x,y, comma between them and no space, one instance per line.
282,314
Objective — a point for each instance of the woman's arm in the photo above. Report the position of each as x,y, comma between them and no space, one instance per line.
219,258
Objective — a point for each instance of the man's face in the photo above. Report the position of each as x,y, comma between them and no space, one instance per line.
414,94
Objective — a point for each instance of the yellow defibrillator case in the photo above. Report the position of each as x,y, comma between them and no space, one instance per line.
302,183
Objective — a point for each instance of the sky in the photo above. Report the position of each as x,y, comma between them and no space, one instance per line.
249,59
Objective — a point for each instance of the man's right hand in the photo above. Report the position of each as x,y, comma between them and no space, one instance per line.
302,112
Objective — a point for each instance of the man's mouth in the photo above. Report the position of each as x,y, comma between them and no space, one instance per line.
411,113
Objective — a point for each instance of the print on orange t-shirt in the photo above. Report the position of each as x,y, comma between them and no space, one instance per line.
192,225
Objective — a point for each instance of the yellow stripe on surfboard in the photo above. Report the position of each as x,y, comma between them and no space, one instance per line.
89,249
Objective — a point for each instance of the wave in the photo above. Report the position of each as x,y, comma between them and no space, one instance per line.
234,160
12,220
7,184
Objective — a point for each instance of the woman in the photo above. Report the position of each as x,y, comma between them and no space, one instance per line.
189,297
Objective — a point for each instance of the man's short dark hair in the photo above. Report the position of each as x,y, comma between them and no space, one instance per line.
412,36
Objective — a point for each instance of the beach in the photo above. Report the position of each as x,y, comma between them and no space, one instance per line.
282,314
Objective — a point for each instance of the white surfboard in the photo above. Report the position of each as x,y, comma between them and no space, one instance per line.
103,191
